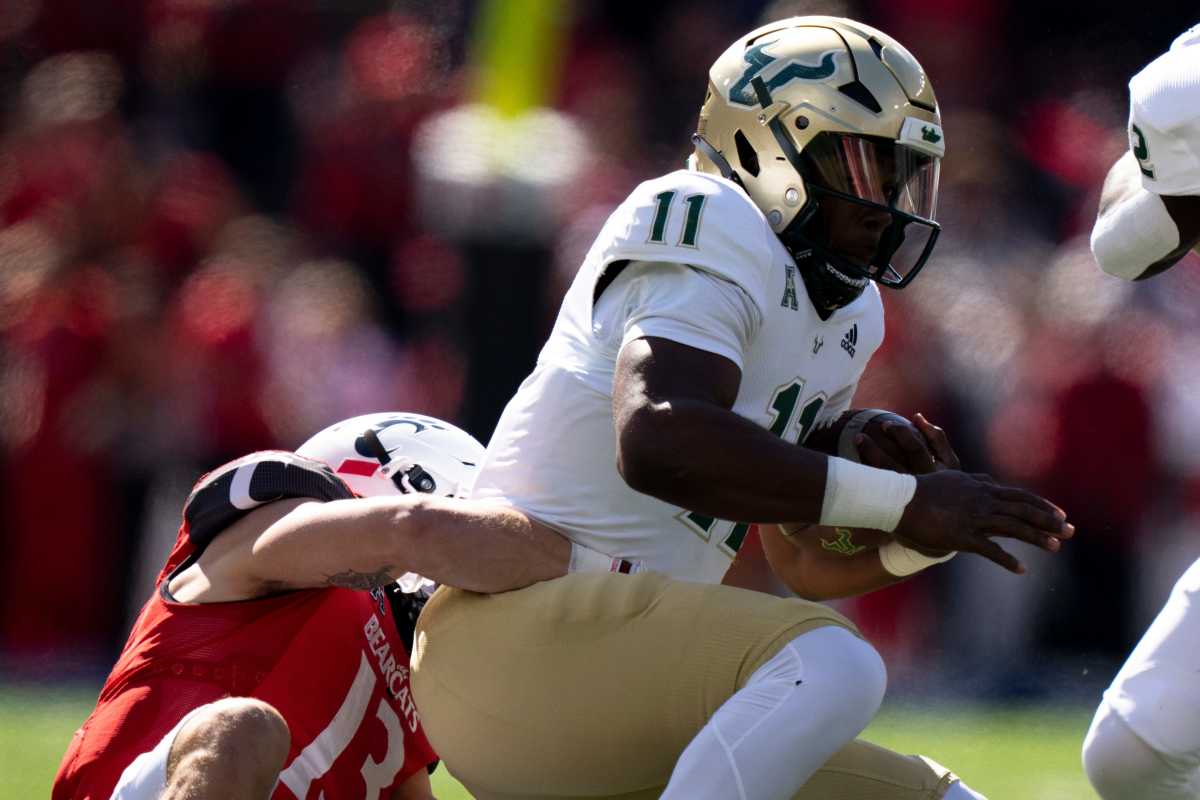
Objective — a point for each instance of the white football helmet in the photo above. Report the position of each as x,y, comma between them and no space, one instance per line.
398,453
395,453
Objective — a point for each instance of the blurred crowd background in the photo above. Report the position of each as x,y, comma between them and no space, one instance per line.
225,224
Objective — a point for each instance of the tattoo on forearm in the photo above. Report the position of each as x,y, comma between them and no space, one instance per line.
361,580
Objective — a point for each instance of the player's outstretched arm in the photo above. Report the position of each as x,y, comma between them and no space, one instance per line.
1139,234
998,511
823,563
368,542
678,440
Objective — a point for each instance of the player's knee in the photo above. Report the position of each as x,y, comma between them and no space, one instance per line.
252,729
1104,751
1117,762
863,668
240,740
849,668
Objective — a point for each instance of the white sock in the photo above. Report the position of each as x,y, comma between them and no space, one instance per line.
1121,766
960,791
815,695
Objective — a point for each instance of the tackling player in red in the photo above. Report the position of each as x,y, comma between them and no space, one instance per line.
269,660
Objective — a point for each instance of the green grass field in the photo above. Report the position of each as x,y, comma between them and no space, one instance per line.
1007,754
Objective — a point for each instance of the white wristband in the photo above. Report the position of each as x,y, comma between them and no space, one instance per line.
585,559
901,561
858,496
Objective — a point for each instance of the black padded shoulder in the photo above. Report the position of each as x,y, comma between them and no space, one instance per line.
229,492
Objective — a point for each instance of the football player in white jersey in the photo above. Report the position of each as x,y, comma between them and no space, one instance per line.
723,314
1144,741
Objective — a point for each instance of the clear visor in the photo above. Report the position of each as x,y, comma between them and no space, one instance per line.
876,170
876,200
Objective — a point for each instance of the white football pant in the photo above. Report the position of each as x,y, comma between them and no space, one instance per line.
797,710
1144,742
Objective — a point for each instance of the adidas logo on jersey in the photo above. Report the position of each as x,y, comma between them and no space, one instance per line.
850,340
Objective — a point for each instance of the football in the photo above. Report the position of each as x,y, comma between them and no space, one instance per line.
839,438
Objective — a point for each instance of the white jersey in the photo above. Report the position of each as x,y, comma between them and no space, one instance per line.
690,258
1164,118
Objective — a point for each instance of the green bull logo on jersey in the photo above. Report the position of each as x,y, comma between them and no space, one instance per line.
842,543
759,60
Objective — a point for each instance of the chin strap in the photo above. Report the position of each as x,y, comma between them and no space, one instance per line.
810,265
407,476
818,268
714,155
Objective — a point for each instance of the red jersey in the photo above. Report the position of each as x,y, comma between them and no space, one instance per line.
331,661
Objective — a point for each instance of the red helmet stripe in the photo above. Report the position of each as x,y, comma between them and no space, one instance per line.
353,466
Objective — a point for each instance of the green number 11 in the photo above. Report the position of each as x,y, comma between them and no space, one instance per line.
783,409
662,210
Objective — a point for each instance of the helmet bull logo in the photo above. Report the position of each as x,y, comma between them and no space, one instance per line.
759,59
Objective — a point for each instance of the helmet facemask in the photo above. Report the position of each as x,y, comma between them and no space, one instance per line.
868,214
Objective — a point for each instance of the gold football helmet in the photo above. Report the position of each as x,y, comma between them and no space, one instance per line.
832,129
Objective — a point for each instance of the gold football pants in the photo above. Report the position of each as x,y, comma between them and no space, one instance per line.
593,684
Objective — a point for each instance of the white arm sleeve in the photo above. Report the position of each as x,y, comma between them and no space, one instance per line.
1136,231
683,304
1134,234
